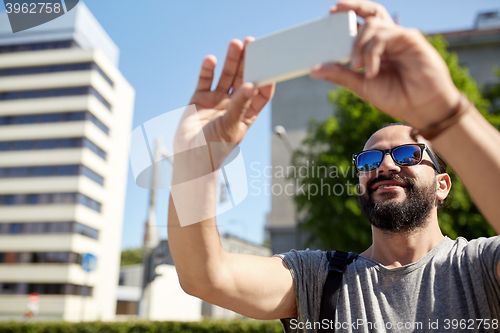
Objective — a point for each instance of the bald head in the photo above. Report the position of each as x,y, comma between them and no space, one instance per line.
392,132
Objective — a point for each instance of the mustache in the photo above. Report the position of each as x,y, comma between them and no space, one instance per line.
410,182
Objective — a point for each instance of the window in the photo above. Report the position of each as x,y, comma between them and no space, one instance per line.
16,228
18,172
42,171
10,258
38,46
59,92
8,288
33,228
49,198
66,170
24,257
97,122
94,92
86,231
54,69
4,228
127,308
48,228
32,199
93,147
53,118
87,172
9,199
99,70
45,69
53,289
88,202
52,144
121,279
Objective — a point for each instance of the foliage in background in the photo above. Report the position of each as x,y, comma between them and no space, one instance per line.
492,94
208,326
131,257
335,221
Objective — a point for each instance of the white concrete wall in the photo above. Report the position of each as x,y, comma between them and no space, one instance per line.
168,300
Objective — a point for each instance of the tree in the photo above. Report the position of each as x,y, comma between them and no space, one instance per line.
332,217
131,257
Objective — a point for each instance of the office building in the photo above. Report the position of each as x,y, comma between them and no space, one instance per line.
65,117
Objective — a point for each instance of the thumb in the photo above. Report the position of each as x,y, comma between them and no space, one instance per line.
240,102
339,75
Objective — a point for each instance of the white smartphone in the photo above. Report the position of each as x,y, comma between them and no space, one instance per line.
291,53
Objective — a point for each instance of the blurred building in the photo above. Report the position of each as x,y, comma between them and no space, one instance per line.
65,117
298,101
167,300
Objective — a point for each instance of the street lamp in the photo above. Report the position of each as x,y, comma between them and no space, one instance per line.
281,132
151,235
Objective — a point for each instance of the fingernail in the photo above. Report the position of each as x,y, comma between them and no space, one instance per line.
249,89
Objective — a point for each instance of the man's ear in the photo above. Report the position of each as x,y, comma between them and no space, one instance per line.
443,185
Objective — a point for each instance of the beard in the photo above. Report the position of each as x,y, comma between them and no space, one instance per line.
393,216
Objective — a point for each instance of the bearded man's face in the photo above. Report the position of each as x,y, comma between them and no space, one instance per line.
396,198
396,215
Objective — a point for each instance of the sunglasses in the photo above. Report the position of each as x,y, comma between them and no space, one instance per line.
404,155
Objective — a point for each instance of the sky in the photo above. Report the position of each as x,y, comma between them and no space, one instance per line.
162,44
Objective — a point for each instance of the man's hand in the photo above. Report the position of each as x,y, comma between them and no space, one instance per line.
229,110
404,75
256,287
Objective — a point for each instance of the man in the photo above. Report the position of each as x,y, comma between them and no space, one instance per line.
411,276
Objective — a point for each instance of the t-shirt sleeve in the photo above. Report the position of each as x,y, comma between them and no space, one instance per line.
487,250
309,272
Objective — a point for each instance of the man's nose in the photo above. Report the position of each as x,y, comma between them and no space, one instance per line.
388,166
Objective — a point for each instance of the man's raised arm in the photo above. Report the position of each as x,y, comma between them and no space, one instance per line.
256,287
405,77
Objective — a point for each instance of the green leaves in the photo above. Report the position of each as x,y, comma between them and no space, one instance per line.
131,257
206,326
333,219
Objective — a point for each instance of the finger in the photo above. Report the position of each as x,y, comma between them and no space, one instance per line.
261,99
339,75
230,66
362,8
366,33
240,101
206,73
238,81
372,54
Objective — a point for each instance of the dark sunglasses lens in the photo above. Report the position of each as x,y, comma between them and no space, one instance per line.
407,155
369,161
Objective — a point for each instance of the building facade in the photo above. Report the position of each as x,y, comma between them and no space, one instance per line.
298,101
65,117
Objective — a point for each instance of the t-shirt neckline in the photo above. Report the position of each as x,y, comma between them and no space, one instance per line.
445,242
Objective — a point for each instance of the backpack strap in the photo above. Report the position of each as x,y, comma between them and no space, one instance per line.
338,262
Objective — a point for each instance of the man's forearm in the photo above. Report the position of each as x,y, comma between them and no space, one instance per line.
472,148
196,248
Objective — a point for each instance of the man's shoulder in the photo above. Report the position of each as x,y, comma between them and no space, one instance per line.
479,244
303,257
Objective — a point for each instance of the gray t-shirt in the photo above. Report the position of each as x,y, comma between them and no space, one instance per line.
452,288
